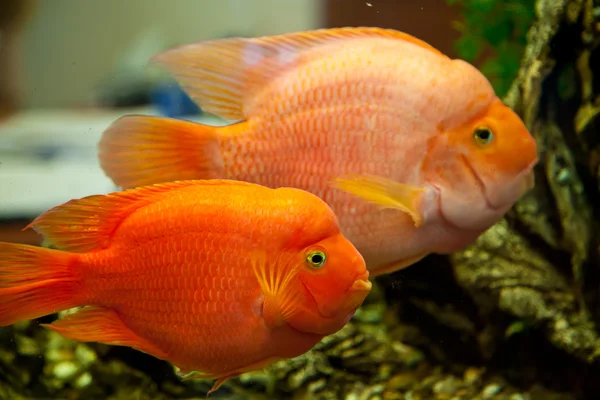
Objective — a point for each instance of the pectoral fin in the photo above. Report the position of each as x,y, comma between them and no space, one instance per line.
384,192
274,277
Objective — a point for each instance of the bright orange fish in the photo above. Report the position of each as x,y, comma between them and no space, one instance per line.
426,133
217,277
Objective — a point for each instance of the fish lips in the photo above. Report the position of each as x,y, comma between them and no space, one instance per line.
523,183
361,284
353,298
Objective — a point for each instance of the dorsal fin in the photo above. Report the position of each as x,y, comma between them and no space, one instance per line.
221,74
88,223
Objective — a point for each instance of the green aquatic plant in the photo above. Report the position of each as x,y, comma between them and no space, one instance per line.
496,30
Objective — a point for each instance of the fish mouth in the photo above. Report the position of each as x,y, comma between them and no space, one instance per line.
361,284
526,178
479,183
529,173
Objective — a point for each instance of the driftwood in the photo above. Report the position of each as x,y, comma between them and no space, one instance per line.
541,263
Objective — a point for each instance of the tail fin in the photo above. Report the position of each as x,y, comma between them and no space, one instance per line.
35,281
139,150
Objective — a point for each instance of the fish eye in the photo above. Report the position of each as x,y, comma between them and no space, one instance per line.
483,135
316,258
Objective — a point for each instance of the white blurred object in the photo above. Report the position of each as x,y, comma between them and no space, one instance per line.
50,157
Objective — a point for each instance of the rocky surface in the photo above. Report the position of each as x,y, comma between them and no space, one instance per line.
370,358
541,263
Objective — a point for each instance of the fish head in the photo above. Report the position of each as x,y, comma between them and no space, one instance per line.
481,167
335,282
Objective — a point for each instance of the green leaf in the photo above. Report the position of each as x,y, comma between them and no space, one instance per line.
517,327
483,6
469,47
496,25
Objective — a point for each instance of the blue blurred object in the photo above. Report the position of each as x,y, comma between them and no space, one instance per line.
172,101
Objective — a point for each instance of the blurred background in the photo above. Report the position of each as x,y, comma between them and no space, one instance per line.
71,49
68,68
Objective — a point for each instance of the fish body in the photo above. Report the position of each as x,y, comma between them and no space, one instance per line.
319,105
217,277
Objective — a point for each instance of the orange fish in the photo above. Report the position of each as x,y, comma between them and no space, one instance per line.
218,277
422,137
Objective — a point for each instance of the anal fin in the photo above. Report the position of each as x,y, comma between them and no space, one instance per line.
397,265
219,382
185,375
103,325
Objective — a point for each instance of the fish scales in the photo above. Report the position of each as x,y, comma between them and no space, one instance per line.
413,150
218,277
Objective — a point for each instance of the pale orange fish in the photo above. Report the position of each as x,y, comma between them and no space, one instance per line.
217,277
401,124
